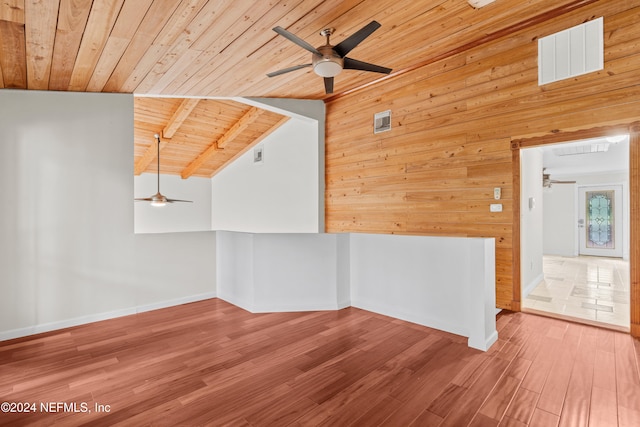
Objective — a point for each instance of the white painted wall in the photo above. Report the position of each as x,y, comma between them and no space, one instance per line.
304,109
68,254
172,217
559,219
280,194
531,219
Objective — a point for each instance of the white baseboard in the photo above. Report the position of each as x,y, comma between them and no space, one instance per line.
418,318
67,323
488,342
531,286
280,308
238,302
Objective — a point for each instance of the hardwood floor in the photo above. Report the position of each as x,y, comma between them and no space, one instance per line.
210,363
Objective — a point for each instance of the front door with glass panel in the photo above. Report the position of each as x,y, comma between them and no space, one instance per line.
600,220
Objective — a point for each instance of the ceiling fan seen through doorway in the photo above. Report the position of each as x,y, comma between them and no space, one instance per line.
158,200
328,60
547,181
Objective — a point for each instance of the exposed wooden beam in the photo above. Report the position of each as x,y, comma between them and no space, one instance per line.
244,122
143,162
253,144
235,130
180,115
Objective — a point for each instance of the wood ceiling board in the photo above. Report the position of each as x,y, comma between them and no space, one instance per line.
225,48
72,19
13,55
39,35
208,121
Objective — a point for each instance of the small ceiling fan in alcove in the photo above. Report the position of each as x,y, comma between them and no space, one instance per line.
329,60
547,181
158,199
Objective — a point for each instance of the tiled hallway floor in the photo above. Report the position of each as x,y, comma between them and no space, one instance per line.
592,289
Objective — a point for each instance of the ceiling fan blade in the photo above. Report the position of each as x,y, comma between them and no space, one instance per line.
354,64
177,200
146,199
553,181
295,39
328,84
346,45
287,70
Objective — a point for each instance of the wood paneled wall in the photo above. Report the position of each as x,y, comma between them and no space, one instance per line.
452,125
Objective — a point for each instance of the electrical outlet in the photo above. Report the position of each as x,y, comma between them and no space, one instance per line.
497,193
495,207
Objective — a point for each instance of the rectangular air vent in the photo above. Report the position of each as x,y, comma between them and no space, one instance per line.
382,121
572,52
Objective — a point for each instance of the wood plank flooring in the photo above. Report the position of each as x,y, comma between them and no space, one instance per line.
210,363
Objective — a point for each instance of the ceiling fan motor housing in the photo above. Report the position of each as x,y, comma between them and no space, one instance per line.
329,64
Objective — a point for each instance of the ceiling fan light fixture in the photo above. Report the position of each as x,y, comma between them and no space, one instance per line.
329,64
328,60
327,68
158,200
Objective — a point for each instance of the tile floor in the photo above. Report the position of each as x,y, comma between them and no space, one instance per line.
585,288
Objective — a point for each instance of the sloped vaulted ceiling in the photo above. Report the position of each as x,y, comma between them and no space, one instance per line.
225,48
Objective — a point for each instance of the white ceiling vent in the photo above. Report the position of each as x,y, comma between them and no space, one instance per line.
382,121
572,52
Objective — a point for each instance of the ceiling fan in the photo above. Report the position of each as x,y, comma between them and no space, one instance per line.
328,60
158,199
547,181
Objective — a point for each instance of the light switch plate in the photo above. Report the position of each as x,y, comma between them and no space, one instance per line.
497,193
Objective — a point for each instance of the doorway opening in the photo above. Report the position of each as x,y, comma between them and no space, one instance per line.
574,231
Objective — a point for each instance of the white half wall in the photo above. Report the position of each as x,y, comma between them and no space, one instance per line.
172,217
269,272
280,194
446,283
441,282
68,254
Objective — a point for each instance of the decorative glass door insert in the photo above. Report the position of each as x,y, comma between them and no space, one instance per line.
600,220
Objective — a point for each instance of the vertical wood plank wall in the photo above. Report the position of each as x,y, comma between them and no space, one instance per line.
452,126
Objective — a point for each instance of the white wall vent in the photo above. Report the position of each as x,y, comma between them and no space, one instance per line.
382,121
572,52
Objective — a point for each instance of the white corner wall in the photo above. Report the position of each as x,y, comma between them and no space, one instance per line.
441,282
281,194
173,217
531,219
68,254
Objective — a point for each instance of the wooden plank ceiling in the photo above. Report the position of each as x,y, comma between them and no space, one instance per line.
223,48
199,137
